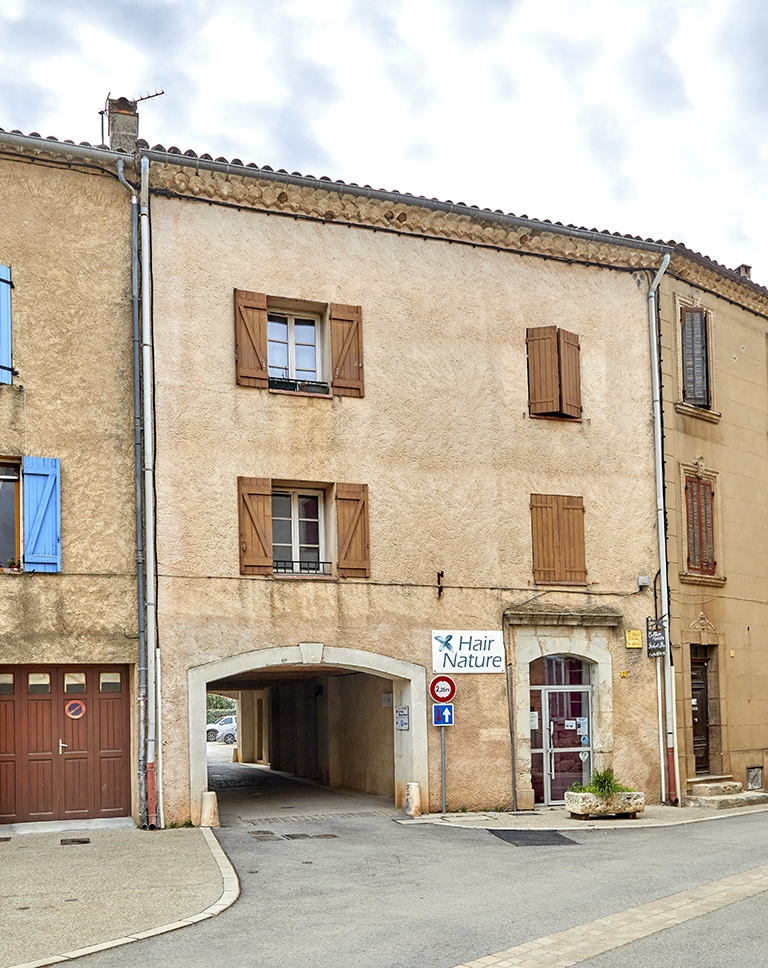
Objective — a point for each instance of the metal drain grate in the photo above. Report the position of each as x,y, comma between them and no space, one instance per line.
66,841
533,838
271,838
4,840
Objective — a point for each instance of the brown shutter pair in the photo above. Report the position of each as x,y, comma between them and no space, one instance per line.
255,518
554,387
251,351
699,496
557,529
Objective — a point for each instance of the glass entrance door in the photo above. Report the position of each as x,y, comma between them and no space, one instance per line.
567,741
561,727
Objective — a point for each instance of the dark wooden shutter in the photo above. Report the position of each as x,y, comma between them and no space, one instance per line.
695,362
557,531
699,496
352,519
255,518
570,384
571,528
544,537
251,338
347,350
543,370
42,514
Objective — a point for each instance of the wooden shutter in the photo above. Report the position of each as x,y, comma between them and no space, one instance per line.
347,350
695,363
352,519
699,496
544,537
5,325
557,530
42,514
543,370
251,339
571,530
570,384
255,518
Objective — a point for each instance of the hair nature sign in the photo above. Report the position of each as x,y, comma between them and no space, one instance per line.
467,651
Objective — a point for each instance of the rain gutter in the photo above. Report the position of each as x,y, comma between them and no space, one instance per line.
63,147
673,767
139,514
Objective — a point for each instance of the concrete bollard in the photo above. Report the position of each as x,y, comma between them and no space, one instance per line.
209,810
412,800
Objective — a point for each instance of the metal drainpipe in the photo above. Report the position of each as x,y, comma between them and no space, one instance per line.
139,513
669,691
149,498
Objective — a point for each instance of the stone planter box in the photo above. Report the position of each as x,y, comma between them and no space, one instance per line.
582,806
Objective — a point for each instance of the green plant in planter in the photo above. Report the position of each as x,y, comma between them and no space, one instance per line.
603,784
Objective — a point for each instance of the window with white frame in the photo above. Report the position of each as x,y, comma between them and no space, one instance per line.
298,533
294,351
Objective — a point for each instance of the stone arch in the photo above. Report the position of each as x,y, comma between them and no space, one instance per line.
409,688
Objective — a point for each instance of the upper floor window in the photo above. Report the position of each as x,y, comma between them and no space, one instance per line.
298,533
283,528
695,358
701,525
554,388
31,485
299,346
294,353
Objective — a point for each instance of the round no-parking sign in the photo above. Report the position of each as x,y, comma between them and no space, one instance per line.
75,708
442,689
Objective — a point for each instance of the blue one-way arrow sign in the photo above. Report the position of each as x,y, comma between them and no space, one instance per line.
442,714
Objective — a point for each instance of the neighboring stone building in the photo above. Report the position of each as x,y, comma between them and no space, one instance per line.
393,436
714,325
68,612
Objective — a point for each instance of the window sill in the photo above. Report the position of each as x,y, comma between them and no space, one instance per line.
575,584
692,578
302,393
689,411
557,416
301,577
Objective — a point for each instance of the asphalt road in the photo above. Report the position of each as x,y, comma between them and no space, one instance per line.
353,887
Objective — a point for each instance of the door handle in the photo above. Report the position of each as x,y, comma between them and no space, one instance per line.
62,746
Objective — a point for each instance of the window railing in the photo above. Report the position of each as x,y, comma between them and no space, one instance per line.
301,567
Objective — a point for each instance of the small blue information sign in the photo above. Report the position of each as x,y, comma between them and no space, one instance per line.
442,714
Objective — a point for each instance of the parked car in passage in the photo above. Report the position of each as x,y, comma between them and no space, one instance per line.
212,729
228,734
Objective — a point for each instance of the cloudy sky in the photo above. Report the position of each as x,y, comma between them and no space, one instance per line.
640,116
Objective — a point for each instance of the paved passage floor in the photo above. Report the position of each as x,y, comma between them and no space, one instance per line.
330,879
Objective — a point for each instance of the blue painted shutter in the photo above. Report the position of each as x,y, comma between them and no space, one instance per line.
42,514
5,324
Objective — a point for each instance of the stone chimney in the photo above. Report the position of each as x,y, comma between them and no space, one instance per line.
123,124
745,270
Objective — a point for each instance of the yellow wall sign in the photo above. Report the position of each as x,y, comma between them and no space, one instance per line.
634,638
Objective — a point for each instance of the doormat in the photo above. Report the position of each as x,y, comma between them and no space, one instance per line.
533,838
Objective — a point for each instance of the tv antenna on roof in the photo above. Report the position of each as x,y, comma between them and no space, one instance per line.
105,110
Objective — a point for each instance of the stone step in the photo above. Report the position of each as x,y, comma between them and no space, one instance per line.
749,798
724,789
709,778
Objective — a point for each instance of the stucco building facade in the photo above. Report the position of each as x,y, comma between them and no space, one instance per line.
68,602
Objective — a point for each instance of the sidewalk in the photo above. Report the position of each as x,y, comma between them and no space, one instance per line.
59,899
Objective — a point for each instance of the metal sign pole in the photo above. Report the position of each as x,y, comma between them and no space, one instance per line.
442,756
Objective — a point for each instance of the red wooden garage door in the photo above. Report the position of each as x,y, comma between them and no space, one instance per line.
64,743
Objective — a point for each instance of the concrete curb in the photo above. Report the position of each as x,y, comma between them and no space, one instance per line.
228,897
501,821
